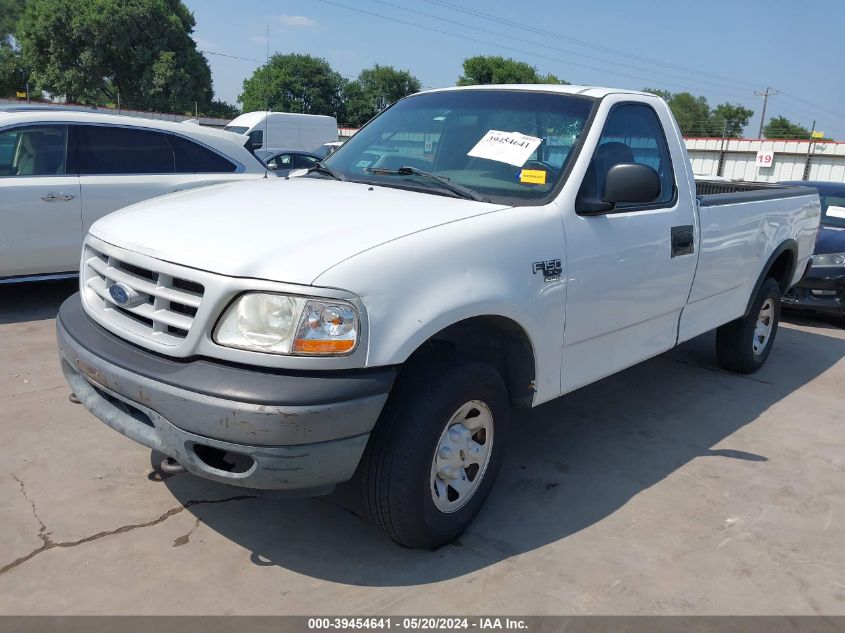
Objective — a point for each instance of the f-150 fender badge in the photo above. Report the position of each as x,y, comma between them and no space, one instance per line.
552,269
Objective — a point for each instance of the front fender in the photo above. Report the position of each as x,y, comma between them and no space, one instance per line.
418,285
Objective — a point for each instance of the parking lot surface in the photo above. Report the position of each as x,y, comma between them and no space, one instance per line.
672,487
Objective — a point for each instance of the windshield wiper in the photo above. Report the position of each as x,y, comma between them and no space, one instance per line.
455,188
323,169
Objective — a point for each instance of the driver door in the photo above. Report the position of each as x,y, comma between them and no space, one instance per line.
40,204
627,280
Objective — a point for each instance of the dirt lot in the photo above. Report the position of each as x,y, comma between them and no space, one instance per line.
670,488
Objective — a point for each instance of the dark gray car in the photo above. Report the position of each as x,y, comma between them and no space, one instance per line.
823,288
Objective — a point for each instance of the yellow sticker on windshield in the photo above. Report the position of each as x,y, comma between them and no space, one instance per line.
532,176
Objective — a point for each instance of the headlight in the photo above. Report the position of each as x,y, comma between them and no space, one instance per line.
285,324
829,260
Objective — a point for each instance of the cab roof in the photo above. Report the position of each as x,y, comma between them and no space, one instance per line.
597,92
76,116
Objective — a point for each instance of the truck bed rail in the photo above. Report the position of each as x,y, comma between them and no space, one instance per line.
711,192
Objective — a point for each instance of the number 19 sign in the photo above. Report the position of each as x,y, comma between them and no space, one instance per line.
765,158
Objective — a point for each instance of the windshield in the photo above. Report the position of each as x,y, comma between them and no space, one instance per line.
510,147
833,210
236,129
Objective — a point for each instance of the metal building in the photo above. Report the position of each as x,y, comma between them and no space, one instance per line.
767,161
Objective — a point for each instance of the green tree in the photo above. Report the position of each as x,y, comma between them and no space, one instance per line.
553,79
493,69
374,90
695,117
91,50
9,63
731,118
781,127
10,12
12,77
664,94
295,83
222,109
692,114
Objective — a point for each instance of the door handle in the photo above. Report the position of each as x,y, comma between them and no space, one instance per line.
683,241
52,197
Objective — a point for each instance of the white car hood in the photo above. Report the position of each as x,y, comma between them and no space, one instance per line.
275,229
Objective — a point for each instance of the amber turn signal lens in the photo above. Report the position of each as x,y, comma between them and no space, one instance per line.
305,346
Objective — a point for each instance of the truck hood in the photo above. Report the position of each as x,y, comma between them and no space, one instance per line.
276,229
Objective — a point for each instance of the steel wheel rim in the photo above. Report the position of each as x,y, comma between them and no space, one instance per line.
461,456
763,327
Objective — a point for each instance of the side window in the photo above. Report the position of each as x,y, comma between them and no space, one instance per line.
283,161
833,210
301,161
633,134
34,151
256,137
106,149
192,158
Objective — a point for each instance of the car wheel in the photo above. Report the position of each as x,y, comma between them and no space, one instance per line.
743,345
435,453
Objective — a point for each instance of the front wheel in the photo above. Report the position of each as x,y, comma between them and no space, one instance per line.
744,345
435,453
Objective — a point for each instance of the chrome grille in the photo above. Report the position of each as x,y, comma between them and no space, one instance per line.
166,306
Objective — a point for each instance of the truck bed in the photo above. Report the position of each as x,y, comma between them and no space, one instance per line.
741,226
712,192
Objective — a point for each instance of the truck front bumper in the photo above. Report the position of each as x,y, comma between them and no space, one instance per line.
246,426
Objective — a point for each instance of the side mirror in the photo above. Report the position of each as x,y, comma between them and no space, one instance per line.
624,183
631,182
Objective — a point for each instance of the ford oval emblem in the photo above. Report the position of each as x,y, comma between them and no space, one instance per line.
123,295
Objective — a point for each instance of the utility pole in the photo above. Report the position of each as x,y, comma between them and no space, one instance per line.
806,174
768,92
721,167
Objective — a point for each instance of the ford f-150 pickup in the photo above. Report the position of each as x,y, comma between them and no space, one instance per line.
469,251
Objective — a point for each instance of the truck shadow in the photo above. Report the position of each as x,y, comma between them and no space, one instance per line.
570,464
34,301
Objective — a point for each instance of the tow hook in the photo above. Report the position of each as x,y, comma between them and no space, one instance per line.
171,466
72,397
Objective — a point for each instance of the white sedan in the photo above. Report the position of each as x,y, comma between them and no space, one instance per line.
60,171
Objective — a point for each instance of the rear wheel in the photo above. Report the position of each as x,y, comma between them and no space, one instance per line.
744,345
435,453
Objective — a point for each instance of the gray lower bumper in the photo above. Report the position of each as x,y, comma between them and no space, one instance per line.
310,445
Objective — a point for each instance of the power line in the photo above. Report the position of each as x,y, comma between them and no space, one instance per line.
246,59
538,31
494,44
838,115
535,30
258,61
546,46
524,27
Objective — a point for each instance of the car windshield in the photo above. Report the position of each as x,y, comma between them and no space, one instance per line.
506,146
833,210
235,129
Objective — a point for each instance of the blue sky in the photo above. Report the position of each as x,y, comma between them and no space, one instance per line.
724,50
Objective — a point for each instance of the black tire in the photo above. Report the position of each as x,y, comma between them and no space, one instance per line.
396,468
735,340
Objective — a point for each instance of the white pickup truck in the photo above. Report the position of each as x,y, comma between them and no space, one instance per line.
470,250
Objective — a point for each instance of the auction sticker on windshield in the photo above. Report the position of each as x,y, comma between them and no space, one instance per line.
835,212
512,148
532,177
